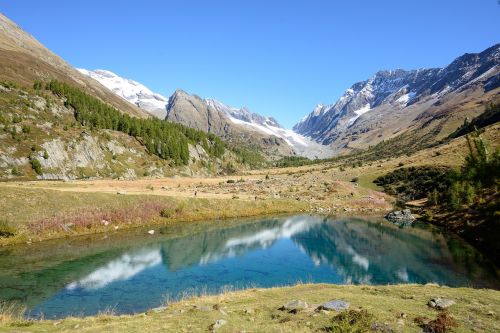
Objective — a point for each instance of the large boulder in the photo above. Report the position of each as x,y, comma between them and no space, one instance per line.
334,305
401,217
294,306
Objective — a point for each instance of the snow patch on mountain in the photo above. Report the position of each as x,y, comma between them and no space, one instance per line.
302,145
358,113
131,91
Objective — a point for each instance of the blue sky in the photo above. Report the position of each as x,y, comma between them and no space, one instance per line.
278,58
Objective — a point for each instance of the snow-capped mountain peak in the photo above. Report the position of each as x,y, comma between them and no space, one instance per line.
130,90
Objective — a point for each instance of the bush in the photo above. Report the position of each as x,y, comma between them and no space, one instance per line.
230,181
351,321
171,212
6,230
442,324
15,171
36,165
46,155
167,212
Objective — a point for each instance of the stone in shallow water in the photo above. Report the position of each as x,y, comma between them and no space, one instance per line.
440,303
401,217
159,309
294,306
337,305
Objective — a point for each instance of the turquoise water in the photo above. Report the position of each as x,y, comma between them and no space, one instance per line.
134,272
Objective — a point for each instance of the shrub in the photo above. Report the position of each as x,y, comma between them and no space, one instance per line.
36,165
442,324
355,180
171,212
46,155
230,181
15,171
433,197
351,321
6,230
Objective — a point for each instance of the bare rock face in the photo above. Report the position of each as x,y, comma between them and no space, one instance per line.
215,118
192,111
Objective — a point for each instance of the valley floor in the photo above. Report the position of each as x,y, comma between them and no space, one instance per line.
39,210
398,308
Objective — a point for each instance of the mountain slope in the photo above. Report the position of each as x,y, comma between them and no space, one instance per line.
194,112
56,123
131,91
241,126
23,60
227,122
393,102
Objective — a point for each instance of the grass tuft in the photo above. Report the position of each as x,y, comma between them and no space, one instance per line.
351,321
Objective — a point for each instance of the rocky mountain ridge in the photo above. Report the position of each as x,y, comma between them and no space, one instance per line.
211,115
408,96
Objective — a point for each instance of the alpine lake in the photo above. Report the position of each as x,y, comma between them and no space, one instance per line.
133,271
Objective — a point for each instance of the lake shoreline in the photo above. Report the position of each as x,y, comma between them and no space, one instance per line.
60,211
395,306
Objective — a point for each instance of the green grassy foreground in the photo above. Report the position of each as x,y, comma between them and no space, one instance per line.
256,310
30,215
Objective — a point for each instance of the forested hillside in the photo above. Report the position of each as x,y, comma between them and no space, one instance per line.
165,139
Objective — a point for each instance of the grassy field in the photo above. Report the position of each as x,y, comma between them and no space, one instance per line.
35,214
390,308
38,210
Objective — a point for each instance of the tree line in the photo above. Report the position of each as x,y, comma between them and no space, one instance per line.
162,138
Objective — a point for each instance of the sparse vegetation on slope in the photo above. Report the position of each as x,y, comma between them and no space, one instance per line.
165,139
490,116
464,200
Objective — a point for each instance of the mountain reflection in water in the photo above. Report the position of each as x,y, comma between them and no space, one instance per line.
265,253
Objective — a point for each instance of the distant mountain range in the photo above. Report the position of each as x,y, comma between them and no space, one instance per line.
388,104
392,102
426,104
212,116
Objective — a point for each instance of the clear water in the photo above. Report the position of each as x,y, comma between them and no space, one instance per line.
134,272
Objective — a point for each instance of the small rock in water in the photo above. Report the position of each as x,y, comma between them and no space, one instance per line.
151,232
401,218
159,309
294,306
218,324
337,305
440,303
